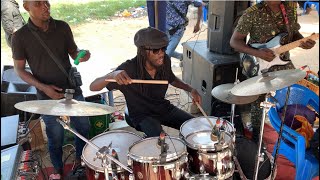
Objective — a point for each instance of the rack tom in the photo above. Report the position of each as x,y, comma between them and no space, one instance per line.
205,155
144,157
121,141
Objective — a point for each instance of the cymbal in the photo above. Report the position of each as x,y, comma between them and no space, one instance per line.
223,93
270,81
64,107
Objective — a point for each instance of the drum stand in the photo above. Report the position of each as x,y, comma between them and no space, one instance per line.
102,153
266,106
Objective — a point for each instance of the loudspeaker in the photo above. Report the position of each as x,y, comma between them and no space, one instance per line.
204,70
222,18
15,90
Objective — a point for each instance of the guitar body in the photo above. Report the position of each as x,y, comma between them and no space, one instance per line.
253,65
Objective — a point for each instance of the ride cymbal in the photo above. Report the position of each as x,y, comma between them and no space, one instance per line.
64,107
267,82
223,93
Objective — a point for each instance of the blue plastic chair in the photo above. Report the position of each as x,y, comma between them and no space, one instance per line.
293,148
310,3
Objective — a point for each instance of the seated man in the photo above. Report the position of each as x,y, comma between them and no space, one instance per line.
148,108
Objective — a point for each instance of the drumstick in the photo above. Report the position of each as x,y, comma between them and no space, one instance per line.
204,114
142,81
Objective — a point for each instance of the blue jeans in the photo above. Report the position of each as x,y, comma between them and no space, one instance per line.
174,41
55,134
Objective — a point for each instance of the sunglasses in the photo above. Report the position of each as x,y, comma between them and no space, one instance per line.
157,51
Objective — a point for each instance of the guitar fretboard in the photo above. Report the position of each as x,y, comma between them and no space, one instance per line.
295,44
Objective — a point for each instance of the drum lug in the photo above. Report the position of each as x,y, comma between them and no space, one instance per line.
96,175
131,177
177,174
186,175
122,177
202,169
129,161
83,164
155,169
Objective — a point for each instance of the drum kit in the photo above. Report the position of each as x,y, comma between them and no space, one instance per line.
123,155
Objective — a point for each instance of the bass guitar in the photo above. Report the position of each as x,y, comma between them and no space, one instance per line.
252,65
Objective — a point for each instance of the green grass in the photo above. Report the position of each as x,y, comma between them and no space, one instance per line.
78,13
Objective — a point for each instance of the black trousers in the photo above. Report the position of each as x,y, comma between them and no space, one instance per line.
151,125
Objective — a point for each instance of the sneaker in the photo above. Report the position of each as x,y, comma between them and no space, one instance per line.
54,177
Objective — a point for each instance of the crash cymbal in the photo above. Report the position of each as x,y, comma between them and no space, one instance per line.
223,93
64,107
270,81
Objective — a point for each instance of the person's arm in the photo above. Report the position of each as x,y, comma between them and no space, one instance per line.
237,42
7,18
194,93
120,76
197,26
49,90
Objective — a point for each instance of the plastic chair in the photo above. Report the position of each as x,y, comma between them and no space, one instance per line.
293,148
310,3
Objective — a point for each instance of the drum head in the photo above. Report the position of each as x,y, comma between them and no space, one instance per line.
202,140
201,177
147,150
196,132
121,141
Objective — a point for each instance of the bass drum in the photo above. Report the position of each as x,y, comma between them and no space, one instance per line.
246,151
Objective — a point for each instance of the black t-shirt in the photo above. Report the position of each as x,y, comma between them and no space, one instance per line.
148,100
59,40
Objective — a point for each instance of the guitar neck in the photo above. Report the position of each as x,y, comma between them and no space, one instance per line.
295,44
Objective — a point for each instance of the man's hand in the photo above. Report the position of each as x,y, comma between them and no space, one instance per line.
195,96
122,77
266,54
196,28
307,44
86,57
52,92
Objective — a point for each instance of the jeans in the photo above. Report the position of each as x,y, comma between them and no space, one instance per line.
55,134
173,43
151,126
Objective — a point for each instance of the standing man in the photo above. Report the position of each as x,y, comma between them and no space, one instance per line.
148,108
46,75
177,21
11,18
264,21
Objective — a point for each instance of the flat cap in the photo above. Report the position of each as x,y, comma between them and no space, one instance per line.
151,38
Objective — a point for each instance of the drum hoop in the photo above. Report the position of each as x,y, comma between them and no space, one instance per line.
203,147
170,157
181,127
101,169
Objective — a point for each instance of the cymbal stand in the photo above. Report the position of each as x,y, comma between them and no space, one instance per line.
266,106
65,122
233,106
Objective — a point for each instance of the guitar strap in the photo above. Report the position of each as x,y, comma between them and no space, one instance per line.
286,21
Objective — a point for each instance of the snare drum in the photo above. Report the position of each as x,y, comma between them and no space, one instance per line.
121,141
205,155
144,157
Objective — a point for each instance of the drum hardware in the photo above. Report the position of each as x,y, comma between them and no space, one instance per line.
65,121
266,106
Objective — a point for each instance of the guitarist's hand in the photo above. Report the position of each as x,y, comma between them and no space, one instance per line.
307,44
266,54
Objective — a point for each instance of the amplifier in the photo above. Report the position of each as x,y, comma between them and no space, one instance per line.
204,70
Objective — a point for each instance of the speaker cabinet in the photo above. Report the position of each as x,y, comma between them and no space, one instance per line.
222,18
204,70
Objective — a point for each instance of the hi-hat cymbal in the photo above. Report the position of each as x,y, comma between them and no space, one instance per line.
64,107
268,82
223,93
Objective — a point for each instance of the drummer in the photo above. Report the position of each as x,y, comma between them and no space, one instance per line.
148,108
46,75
